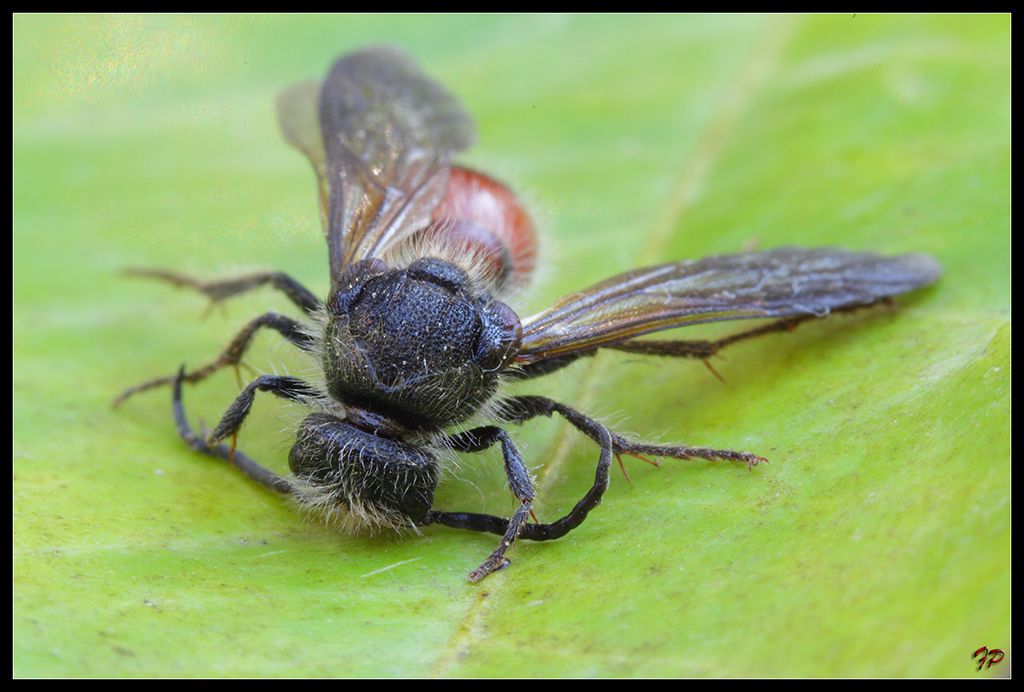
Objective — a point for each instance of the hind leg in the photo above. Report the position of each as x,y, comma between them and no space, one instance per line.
222,289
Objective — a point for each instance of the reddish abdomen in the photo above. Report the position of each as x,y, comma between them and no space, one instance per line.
483,219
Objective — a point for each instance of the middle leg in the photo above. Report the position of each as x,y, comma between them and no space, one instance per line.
294,332
705,349
520,409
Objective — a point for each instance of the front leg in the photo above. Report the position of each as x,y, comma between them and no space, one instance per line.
291,388
241,461
535,532
477,440
520,409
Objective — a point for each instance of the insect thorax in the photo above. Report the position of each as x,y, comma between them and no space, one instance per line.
415,344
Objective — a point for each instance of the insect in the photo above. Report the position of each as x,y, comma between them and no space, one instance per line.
414,338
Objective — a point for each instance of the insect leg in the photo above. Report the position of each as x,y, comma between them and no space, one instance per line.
246,465
540,532
479,439
672,348
547,366
291,330
217,291
291,388
706,349
522,408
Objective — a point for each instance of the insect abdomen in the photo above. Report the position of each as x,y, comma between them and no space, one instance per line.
482,220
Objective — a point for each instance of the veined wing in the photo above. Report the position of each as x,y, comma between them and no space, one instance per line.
299,120
786,282
379,135
389,133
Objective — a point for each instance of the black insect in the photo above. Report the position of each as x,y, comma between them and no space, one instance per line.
414,340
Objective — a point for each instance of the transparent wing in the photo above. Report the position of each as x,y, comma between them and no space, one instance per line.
389,133
780,283
299,120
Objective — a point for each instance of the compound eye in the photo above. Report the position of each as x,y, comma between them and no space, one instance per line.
500,337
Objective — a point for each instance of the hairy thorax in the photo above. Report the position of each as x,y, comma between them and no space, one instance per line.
417,344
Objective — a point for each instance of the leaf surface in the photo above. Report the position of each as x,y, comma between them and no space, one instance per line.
875,543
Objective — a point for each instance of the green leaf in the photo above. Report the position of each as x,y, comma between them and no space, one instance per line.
875,543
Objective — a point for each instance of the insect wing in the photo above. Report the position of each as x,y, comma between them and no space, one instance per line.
786,282
388,133
299,120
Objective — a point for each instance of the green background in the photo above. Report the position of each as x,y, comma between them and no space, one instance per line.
875,543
